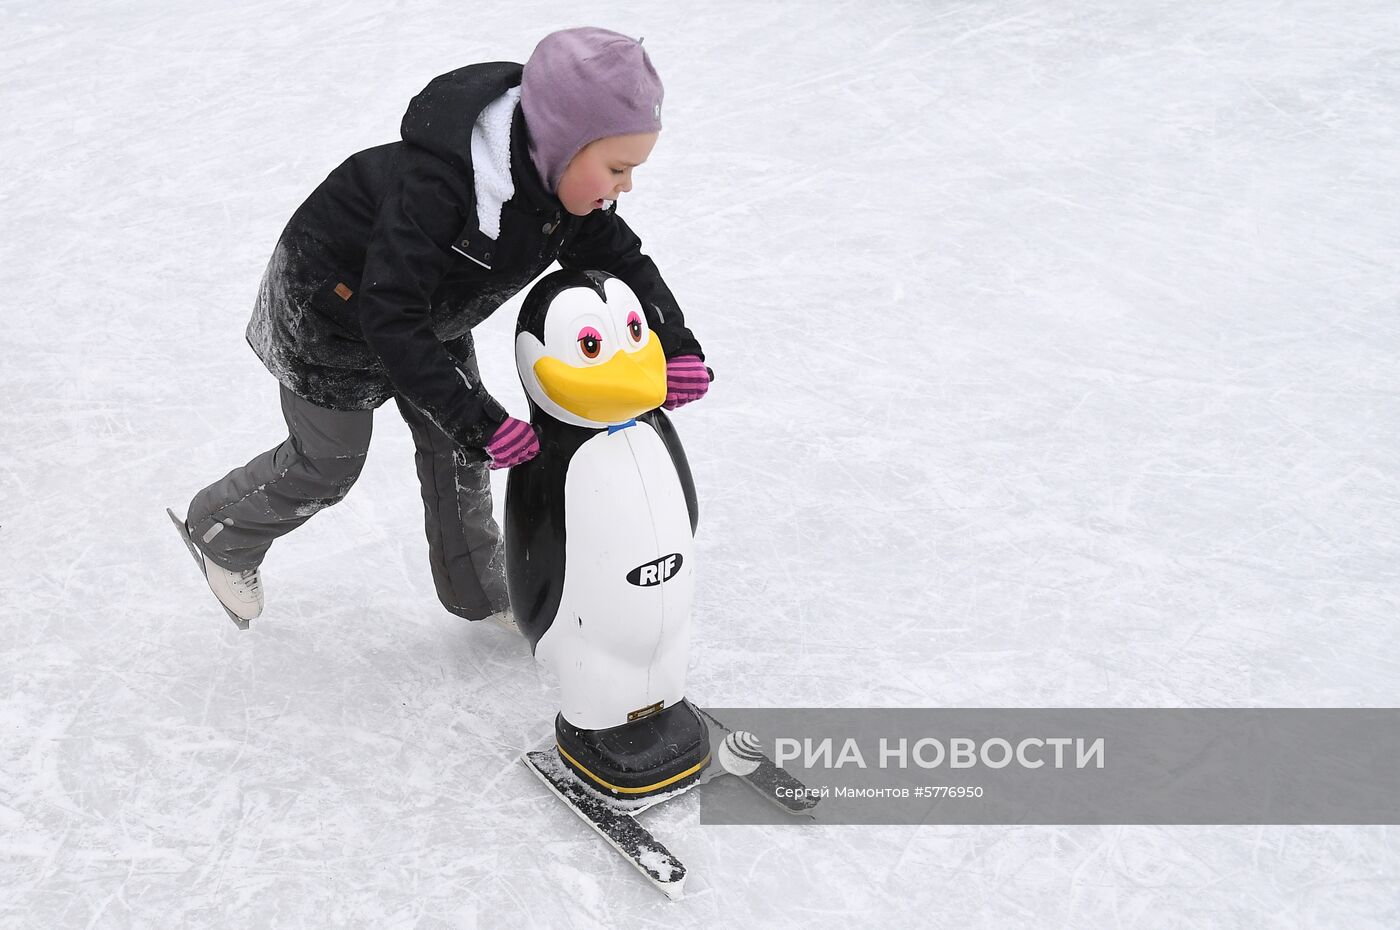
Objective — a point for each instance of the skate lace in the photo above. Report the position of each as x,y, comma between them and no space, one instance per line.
251,580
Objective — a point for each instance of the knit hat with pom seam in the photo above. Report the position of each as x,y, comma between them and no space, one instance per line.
581,85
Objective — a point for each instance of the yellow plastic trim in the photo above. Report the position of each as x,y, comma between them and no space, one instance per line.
661,784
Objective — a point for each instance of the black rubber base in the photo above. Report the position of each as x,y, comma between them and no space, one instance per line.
663,752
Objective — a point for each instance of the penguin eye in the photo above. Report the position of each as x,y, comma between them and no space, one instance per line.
590,342
634,326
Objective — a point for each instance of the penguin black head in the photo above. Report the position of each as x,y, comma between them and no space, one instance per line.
585,353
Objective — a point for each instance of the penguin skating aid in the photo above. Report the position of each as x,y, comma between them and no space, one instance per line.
600,562
599,537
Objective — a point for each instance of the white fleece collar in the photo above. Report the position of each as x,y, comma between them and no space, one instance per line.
491,161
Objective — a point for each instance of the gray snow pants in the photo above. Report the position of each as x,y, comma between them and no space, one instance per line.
235,520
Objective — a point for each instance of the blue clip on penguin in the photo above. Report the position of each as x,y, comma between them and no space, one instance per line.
599,534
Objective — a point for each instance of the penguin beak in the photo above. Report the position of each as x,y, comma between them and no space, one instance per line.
628,384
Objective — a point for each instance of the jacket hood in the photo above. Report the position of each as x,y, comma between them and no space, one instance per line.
441,117
440,120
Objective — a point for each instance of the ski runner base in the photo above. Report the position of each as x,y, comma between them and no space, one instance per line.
619,828
199,560
615,819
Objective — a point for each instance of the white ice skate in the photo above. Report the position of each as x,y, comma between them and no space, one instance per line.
240,593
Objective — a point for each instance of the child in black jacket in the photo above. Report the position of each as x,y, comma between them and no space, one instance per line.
379,277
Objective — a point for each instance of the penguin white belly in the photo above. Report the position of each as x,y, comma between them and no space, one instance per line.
619,641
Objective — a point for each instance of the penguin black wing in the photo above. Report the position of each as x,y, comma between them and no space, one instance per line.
535,529
658,421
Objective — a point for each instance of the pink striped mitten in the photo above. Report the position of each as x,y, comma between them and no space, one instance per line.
513,442
687,379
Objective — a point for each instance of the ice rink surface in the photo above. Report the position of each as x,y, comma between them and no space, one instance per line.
1056,354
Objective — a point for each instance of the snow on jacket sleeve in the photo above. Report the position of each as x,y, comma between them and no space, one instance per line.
605,243
406,258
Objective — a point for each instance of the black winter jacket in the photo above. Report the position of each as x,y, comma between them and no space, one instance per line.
380,275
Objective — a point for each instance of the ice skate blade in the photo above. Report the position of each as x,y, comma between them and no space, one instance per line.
199,560
621,830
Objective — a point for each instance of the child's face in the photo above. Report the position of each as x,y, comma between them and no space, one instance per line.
602,170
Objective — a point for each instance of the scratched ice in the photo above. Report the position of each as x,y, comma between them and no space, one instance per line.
1055,350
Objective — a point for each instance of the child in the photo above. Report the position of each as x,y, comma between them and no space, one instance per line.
379,277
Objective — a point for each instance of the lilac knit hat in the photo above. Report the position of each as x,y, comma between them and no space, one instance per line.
581,85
